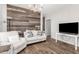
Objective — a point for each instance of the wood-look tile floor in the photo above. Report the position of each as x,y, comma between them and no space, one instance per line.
49,47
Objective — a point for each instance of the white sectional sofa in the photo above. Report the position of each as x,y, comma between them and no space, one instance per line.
11,43
33,36
14,42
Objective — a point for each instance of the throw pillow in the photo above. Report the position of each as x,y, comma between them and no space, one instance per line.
29,34
39,33
34,32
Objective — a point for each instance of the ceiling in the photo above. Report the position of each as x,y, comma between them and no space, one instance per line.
48,8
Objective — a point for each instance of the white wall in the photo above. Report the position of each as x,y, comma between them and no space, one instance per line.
0,19
3,17
65,13
70,13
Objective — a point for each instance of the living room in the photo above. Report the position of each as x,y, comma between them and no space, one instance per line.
34,28
17,22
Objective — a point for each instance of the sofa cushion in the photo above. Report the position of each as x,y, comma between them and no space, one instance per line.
13,39
3,37
39,33
32,38
41,37
11,33
18,44
34,32
4,48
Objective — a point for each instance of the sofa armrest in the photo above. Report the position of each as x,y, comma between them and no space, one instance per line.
5,46
11,51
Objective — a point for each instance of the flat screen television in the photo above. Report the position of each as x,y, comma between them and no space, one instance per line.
70,28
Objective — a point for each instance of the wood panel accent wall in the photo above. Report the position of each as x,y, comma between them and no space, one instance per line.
21,19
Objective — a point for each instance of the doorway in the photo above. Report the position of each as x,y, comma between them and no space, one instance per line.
48,27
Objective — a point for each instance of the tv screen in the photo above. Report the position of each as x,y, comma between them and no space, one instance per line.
69,28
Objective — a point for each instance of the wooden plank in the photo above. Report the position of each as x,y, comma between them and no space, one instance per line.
22,18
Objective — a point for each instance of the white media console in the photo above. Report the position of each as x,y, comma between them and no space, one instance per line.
74,36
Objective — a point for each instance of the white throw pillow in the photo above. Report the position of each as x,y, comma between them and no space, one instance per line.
39,33
34,32
13,39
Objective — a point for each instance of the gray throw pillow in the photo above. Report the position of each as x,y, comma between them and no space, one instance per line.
30,34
